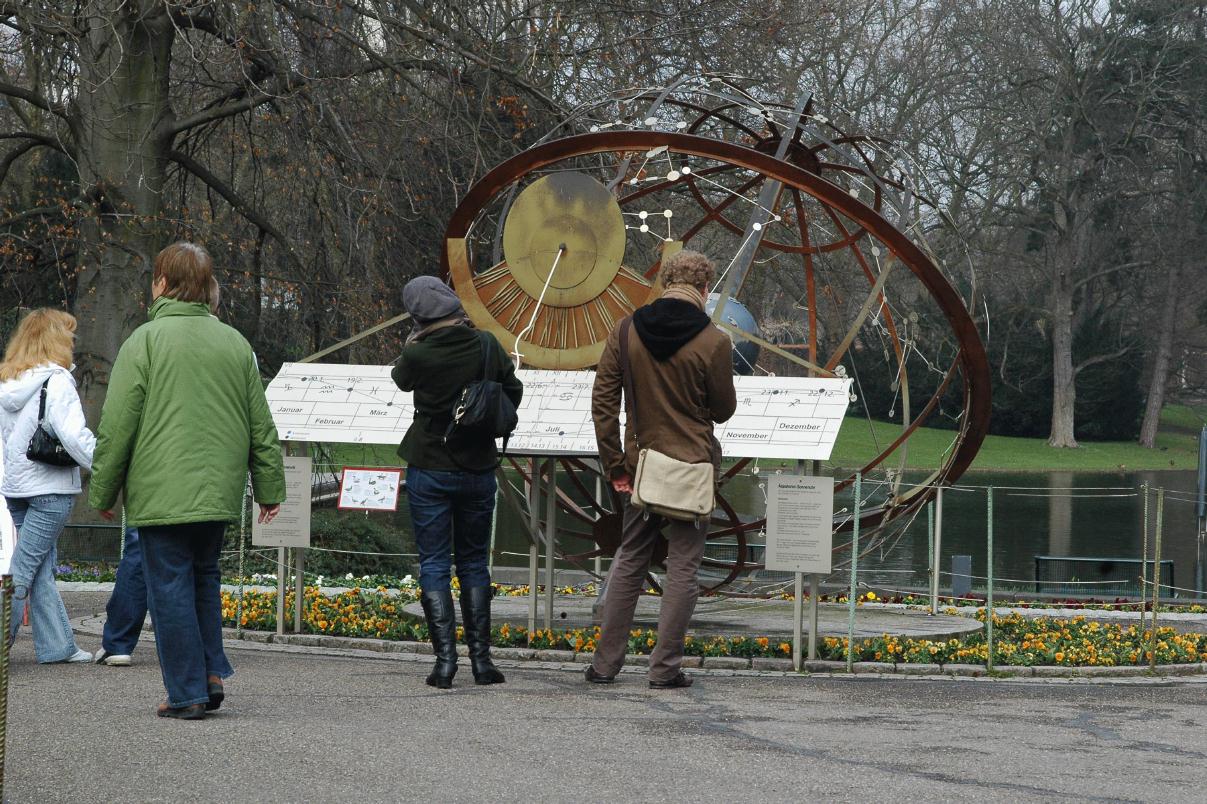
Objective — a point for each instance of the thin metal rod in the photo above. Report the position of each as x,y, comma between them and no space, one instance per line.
1152,642
989,577
1144,561
854,574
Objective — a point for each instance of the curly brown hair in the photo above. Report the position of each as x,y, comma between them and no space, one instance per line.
688,268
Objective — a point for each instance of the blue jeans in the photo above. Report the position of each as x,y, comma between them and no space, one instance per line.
127,607
180,563
39,521
451,512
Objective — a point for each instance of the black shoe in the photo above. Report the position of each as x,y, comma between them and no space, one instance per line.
442,629
217,694
596,678
678,682
475,615
194,712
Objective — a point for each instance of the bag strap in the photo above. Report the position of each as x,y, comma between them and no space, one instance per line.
42,402
626,372
487,362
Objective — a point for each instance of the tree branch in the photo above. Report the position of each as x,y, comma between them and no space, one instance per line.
1100,359
236,201
33,98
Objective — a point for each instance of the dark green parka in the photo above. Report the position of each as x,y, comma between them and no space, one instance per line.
436,368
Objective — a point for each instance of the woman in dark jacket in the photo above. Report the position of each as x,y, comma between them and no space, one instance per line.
450,486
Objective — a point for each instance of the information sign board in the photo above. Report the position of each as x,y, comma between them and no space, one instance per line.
800,523
777,417
369,489
291,527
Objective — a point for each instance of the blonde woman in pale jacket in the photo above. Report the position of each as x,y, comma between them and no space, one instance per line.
40,496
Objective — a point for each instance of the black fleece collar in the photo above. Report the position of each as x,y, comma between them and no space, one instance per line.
666,325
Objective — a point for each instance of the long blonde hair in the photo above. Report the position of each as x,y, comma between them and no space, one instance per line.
43,336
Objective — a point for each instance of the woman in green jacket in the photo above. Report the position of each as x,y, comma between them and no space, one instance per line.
450,482
184,421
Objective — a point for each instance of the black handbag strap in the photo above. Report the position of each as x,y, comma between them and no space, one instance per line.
626,372
487,363
42,402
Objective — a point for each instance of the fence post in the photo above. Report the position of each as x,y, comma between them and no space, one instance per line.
854,570
936,551
989,578
930,539
534,524
1152,642
6,617
1144,562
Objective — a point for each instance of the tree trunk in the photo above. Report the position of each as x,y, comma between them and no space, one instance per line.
1156,386
1064,376
124,64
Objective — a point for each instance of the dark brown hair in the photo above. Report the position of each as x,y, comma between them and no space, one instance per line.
186,269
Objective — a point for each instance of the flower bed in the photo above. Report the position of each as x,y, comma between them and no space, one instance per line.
1018,641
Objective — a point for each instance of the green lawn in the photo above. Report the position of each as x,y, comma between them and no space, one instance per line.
1177,448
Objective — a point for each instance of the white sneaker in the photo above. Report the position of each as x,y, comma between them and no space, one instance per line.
112,659
79,656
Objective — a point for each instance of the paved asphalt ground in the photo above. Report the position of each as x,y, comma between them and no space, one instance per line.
304,727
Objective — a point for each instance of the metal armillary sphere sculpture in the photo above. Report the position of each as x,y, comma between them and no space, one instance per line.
822,234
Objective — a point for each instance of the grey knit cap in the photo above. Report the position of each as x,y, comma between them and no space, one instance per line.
426,298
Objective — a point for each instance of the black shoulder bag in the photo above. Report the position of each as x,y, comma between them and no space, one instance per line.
45,446
483,410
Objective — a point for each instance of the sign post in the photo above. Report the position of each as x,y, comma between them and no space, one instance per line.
800,537
291,528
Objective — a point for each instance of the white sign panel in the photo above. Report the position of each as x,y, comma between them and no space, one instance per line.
800,523
777,417
291,527
369,489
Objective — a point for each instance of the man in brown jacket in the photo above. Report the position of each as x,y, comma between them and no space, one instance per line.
682,378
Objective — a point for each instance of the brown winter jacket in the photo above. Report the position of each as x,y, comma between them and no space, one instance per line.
678,397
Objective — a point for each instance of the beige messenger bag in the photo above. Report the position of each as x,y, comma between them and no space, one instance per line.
664,485
673,488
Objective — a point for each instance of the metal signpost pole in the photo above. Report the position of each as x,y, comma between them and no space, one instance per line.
281,590
798,593
550,540
534,524
299,587
1200,582
854,569
989,578
937,552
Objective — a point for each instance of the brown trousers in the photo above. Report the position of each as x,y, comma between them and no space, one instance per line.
627,579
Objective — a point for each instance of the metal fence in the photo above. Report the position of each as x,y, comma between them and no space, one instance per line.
1070,574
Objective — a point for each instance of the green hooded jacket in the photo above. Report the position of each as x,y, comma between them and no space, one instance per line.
184,421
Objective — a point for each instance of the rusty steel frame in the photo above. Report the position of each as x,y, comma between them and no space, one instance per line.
971,358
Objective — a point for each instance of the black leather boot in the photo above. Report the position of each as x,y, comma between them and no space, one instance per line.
475,615
442,629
